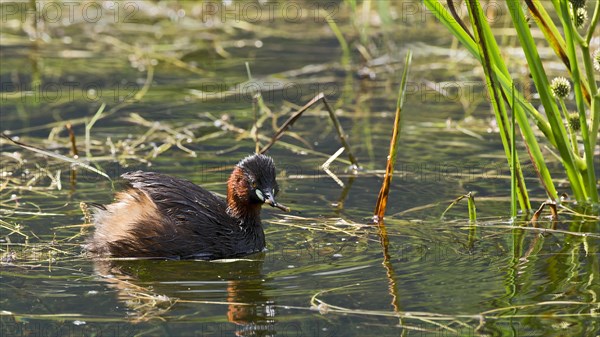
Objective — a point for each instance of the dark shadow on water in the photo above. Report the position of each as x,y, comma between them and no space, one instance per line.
214,289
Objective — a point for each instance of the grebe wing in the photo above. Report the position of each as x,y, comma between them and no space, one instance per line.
178,198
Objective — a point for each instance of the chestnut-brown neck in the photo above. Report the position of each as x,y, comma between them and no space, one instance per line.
238,199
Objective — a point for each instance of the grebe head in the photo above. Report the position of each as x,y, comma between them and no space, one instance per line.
252,184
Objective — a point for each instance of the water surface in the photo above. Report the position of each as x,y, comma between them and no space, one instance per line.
325,271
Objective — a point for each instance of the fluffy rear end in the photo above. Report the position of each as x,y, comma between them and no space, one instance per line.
121,226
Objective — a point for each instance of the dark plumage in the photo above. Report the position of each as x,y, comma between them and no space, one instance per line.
165,217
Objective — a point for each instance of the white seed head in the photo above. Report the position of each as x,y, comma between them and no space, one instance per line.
560,87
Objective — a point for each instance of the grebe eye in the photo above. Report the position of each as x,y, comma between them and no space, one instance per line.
254,184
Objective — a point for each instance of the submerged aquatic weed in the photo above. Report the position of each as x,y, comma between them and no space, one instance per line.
560,87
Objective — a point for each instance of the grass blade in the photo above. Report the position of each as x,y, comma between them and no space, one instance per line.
487,47
521,108
543,86
592,192
88,128
56,156
389,171
513,158
471,206
444,16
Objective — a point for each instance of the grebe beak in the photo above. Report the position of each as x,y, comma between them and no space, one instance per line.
270,200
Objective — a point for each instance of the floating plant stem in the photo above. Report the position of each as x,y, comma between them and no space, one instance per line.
470,204
340,131
56,155
328,162
553,211
13,228
336,123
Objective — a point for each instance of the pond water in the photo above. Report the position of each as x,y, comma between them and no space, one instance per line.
174,79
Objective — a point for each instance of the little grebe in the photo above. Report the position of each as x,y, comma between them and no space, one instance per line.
165,217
